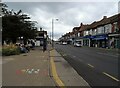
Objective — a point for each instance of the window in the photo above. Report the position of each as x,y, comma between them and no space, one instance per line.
78,34
116,29
90,31
108,28
94,31
102,29
87,32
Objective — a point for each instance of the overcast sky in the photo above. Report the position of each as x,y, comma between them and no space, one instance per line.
70,14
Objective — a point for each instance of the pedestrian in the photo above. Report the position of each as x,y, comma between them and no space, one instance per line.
23,49
44,45
29,44
27,48
33,44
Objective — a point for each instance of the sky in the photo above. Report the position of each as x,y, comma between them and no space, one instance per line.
69,14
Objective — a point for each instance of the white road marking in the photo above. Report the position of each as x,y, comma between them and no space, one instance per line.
90,65
74,56
80,60
110,76
108,54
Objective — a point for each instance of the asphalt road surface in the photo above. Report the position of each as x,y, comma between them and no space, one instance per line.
99,67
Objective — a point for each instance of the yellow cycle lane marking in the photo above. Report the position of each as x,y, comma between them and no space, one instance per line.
110,76
54,72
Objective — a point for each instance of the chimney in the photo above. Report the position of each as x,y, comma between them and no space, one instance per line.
81,24
104,17
40,28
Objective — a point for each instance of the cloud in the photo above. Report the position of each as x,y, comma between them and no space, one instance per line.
70,14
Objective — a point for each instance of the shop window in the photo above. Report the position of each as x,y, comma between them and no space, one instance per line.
116,27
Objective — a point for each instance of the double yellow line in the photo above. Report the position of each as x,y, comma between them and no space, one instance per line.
54,72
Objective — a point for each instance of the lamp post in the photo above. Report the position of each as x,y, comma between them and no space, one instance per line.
53,32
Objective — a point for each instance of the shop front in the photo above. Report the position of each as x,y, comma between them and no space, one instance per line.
99,41
87,40
114,40
69,41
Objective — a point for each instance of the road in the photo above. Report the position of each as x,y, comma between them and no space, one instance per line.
99,67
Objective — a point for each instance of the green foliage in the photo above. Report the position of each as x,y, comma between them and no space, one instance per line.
16,24
8,50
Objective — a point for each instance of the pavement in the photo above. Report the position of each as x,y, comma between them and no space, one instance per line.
66,73
38,68
31,69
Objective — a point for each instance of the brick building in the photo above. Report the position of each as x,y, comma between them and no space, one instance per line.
104,33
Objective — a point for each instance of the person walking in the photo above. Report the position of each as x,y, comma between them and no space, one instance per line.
44,45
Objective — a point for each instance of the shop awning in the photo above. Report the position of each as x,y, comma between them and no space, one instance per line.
99,37
102,38
114,35
88,36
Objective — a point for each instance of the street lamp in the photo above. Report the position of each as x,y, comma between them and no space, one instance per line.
53,32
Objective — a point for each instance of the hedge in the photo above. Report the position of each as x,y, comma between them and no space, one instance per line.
10,50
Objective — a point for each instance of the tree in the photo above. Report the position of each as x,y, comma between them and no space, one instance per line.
16,24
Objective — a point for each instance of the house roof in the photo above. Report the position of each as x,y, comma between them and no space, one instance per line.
84,27
114,18
102,22
95,24
76,28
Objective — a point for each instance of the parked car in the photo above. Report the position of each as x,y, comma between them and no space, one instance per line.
64,43
57,43
77,45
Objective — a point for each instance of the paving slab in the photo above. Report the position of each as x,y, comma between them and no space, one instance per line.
31,69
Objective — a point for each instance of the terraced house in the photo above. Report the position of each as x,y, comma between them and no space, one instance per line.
104,33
